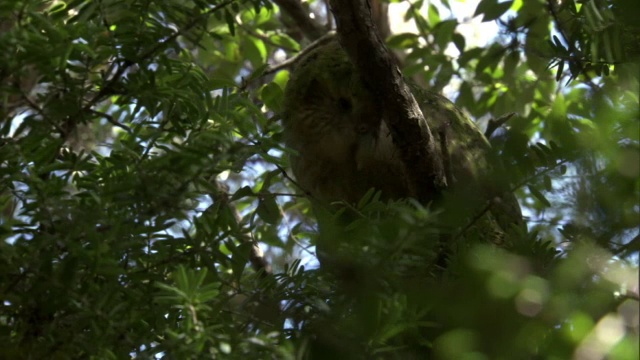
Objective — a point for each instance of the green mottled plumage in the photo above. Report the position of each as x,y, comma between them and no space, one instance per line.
344,147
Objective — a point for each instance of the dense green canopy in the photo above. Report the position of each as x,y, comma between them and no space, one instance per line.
142,159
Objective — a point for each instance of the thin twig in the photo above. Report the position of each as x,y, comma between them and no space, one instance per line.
494,124
284,173
281,66
330,36
492,201
40,112
111,120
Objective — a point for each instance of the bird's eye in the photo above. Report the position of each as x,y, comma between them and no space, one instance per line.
344,104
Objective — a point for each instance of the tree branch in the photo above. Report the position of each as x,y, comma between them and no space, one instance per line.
291,61
409,130
494,124
111,120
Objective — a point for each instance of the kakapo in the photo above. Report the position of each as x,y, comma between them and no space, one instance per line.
343,147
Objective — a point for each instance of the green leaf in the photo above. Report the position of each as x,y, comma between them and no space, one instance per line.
255,51
242,192
231,22
268,210
273,96
511,63
538,195
491,59
433,15
547,183
403,41
459,41
285,41
444,31
220,83
560,69
239,257
492,9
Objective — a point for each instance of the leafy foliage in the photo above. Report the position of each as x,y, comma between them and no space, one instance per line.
141,154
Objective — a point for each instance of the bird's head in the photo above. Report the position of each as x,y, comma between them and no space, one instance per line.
327,103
